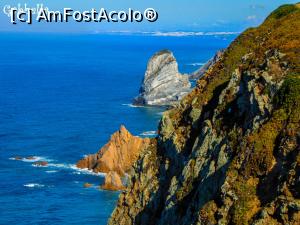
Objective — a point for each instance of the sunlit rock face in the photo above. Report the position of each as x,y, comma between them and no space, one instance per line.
163,85
117,155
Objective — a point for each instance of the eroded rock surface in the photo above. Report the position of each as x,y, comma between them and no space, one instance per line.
113,182
118,155
163,85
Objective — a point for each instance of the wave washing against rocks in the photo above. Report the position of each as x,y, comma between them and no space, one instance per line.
44,162
115,158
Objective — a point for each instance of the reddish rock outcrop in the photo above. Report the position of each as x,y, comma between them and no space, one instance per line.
87,185
118,155
17,158
31,158
113,182
40,163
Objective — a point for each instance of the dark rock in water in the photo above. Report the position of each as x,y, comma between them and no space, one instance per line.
162,85
30,158
18,158
200,72
40,163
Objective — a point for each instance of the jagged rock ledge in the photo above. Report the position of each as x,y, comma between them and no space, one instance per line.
115,158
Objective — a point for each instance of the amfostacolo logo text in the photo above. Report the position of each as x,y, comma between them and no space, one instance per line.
41,13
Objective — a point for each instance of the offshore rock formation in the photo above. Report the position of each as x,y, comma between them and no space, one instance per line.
207,66
40,163
117,155
229,153
163,85
87,185
113,182
115,158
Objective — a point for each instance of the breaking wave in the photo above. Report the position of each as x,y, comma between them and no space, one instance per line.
149,133
34,185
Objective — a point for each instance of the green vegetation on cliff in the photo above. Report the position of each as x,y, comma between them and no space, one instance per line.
229,152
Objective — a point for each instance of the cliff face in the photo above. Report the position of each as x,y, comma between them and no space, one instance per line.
162,84
229,152
118,155
207,66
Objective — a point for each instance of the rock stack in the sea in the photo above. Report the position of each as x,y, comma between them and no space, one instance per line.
118,156
162,85
113,182
203,69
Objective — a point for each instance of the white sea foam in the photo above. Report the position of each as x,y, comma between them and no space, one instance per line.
34,185
31,159
35,165
51,171
62,166
75,168
133,106
149,133
195,64
86,171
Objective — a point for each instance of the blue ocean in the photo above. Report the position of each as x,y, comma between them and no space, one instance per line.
61,97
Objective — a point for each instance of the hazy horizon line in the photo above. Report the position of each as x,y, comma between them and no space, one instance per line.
143,33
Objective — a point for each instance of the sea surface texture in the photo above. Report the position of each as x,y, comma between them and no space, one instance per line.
61,97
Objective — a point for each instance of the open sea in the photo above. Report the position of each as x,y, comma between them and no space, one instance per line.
61,97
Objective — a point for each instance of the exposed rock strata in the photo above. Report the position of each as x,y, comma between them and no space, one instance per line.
163,85
229,153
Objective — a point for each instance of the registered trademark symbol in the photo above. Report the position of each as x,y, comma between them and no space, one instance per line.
151,15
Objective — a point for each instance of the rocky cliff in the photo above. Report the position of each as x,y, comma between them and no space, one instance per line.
113,182
229,153
162,85
207,66
118,155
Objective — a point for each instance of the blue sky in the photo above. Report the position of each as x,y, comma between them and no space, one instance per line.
174,15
